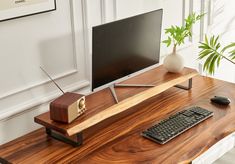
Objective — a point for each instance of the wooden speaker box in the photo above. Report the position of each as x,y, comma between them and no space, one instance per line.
67,107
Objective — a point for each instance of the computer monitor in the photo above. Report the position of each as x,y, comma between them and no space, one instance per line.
124,47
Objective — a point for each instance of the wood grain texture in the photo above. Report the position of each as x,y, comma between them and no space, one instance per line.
120,142
131,99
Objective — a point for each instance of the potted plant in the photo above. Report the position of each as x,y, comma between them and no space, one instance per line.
176,36
213,53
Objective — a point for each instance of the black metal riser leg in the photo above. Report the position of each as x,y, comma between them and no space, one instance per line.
190,83
78,142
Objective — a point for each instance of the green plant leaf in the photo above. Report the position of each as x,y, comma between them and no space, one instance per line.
179,33
205,53
210,51
169,30
204,46
215,42
212,64
212,41
167,42
206,40
227,47
218,61
207,62
200,16
217,46
232,54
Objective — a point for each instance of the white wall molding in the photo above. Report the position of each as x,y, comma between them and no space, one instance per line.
85,36
108,11
183,11
80,34
114,9
32,86
73,27
210,13
35,93
103,11
202,21
190,12
23,107
191,6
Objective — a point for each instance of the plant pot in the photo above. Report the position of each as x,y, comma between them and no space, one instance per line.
174,62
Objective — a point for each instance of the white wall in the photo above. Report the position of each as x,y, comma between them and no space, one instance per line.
60,41
46,40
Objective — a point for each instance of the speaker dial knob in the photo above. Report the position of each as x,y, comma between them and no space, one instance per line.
81,104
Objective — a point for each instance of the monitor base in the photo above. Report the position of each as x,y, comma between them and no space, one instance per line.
112,88
134,85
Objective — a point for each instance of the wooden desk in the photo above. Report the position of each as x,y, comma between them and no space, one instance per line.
121,142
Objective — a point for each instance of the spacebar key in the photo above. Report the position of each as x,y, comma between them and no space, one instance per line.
156,137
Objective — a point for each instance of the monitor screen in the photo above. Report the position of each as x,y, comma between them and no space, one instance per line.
125,46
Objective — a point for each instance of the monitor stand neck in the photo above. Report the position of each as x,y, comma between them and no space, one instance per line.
113,86
112,89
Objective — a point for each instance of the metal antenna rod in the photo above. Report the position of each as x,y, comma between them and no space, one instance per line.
52,80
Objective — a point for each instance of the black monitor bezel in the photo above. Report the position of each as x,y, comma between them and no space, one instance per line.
131,74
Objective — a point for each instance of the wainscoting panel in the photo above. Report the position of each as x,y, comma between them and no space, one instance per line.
54,40
22,81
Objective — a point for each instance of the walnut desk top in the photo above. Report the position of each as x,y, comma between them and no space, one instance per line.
119,140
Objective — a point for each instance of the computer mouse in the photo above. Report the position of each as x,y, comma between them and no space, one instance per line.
220,100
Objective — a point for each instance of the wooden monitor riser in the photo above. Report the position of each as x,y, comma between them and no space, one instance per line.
158,76
127,104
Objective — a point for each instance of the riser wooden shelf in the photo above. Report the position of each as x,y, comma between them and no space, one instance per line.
101,105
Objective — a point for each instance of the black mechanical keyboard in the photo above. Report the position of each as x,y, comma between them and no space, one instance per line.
176,124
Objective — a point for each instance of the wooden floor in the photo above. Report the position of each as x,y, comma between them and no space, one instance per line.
228,158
